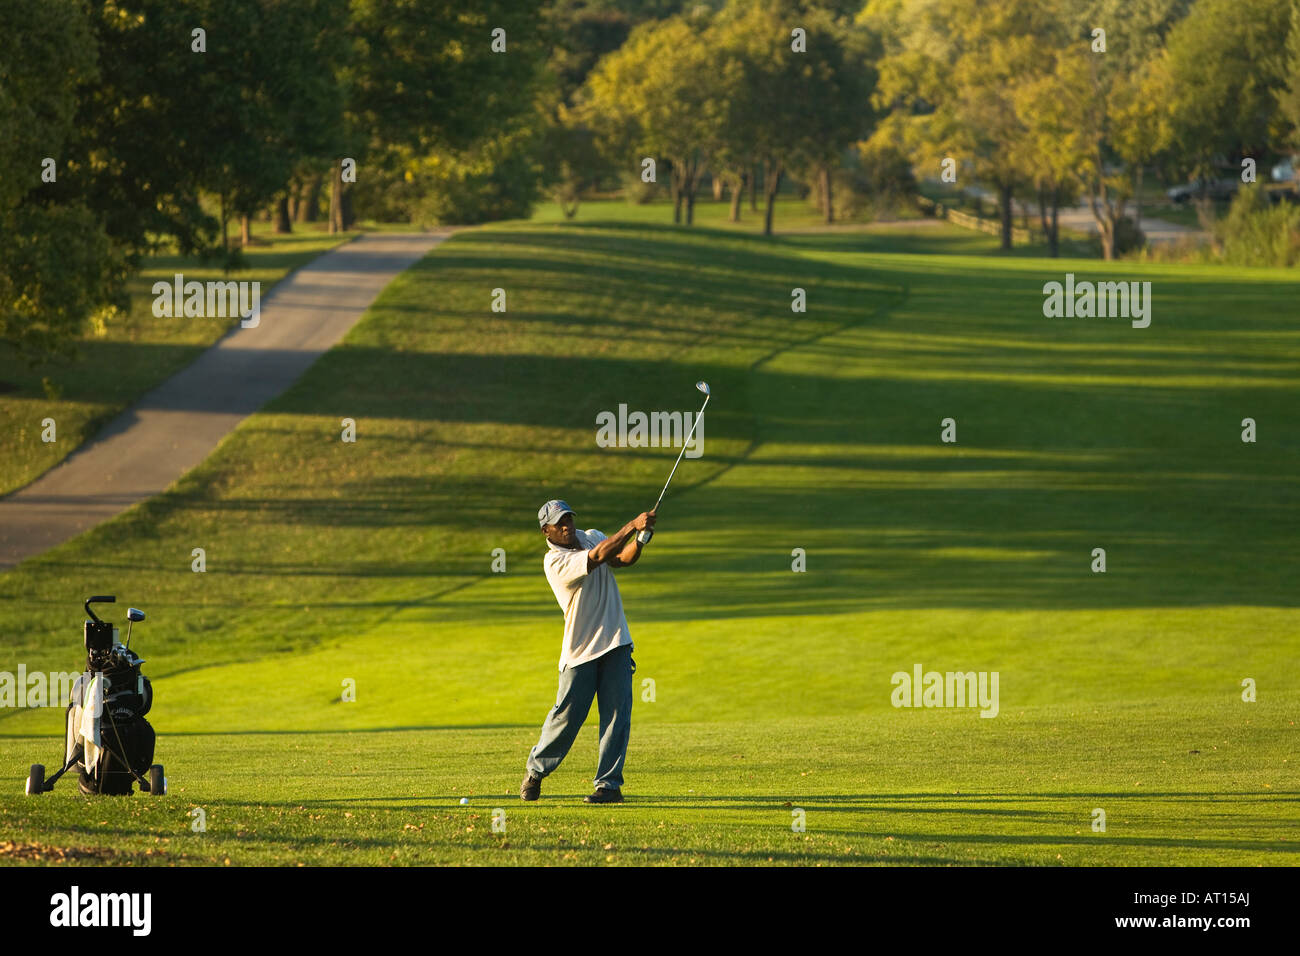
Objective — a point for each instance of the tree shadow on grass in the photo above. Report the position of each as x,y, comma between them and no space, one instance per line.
824,435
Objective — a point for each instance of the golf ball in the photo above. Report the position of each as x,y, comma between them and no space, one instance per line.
464,800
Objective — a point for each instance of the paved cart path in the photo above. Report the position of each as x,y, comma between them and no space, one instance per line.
1080,219
174,427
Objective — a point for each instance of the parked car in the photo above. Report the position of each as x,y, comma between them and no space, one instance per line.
1213,188
1285,171
1282,192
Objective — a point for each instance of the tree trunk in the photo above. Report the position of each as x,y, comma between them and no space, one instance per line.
1051,227
692,184
774,174
1138,214
1104,213
245,231
1004,209
753,187
677,199
225,219
826,193
295,191
309,210
283,221
347,218
1056,221
336,200
1042,215
737,188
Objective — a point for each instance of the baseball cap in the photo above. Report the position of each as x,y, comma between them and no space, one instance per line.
552,512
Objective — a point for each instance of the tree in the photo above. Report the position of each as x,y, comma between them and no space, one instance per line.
841,112
267,83
656,97
131,155
1289,97
579,35
58,264
951,73
1003,48
1141,131
572,162
305,41
785,106
423,77
1107,191
918,47
1053,142
1228,76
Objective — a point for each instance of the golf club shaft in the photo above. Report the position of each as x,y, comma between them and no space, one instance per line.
644,536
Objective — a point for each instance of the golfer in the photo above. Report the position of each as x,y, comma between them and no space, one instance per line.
596,658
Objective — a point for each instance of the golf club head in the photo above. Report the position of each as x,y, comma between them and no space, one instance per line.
703,387
134,614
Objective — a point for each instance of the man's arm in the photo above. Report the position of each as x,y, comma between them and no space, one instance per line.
613,548
628,556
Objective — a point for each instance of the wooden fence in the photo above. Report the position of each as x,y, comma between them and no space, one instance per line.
967,221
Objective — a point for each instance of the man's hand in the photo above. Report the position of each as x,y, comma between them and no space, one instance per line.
621,549
632,550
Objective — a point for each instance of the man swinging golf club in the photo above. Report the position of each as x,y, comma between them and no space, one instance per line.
596,659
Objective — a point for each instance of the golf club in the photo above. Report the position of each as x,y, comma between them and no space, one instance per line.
645,536
133,614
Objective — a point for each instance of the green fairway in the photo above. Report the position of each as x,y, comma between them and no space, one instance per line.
878,788
791,213
330,563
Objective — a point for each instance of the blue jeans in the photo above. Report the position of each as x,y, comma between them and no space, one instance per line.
609,679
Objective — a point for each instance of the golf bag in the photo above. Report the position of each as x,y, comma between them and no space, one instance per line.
107,735
107,741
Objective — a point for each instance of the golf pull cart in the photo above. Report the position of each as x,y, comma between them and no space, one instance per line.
107,740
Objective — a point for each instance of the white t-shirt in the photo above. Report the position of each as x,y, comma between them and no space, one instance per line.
594,622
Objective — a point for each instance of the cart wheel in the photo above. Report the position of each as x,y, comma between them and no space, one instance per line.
157,782
36,780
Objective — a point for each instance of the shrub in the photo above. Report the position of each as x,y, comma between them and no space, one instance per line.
1128,236
1257,234
499,179
637,192
885,176
873,181
1129,239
